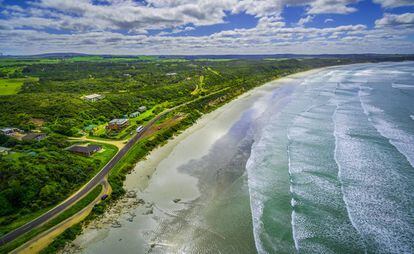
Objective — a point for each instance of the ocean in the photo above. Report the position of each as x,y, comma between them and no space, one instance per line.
332,172
318,163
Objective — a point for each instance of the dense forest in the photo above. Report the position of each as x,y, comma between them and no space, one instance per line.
38,174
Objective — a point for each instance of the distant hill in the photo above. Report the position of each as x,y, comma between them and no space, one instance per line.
192,57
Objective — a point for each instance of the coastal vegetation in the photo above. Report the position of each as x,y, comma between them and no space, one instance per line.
39,174
36,175
55,221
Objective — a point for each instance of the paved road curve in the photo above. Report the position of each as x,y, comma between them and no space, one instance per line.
83,191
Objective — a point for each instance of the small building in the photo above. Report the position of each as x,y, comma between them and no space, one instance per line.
117,124
171,74
142,109
7,131
93,97
4,150
11,131
135,114
34,136
84,150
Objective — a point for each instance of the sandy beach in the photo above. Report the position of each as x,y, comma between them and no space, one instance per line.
181,192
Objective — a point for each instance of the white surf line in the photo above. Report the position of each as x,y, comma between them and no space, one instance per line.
162,244
292,200
335,133
409,155
254,206
402,86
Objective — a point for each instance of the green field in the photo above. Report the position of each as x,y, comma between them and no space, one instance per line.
9,86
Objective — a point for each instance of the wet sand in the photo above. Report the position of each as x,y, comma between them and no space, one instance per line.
191,194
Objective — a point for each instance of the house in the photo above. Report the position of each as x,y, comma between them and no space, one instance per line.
4,150
93,97
34,136
117,124
84,150
142,109
7,131
135,114
11,131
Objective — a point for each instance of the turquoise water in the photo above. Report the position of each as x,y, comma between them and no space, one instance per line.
332,171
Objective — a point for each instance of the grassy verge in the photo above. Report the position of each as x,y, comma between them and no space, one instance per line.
21,220
61,217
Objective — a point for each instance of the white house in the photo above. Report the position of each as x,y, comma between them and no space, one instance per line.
135,114
93,97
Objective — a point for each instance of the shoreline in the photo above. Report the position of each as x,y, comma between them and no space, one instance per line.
148,165
139,178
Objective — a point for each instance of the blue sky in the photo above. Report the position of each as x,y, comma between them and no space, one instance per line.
207,26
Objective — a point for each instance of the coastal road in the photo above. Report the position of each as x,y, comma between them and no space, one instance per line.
97,179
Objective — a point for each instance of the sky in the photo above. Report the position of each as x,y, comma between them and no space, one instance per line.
197,27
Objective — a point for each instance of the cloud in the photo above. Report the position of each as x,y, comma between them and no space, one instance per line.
389,20
140,17
133,16
394,3
305,20
258,40
332,6
328,21
160,26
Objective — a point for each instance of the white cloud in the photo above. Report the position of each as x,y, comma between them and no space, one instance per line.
332,6
394,3
328,20
92,28
305,20
406,19
138,17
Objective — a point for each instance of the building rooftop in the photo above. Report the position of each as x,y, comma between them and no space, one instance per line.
134,114
119,121
84,149
9,131
33,135
92,96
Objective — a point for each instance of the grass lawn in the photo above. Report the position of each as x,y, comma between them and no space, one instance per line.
9,86
108,151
